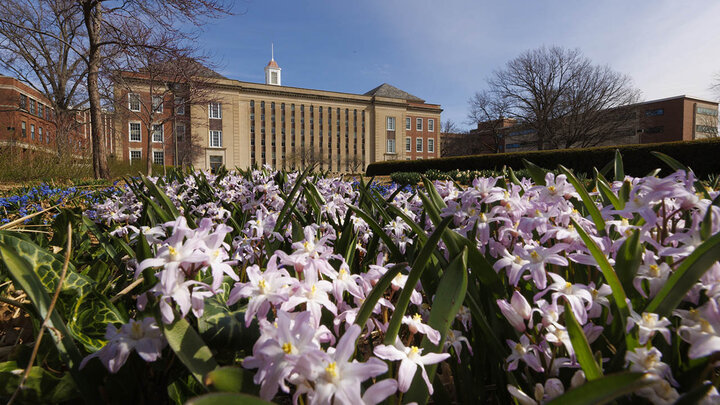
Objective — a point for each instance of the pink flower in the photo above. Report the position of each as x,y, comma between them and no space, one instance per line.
144,336
648,324
416,325
517,311
410,359
263,288
524,351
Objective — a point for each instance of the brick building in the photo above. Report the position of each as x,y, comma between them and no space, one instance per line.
27,121
249,124
680,118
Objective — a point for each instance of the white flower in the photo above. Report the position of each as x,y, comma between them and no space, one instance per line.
410,359
144,336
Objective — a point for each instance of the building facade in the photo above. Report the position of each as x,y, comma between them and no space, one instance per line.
681,118
251,124
28,121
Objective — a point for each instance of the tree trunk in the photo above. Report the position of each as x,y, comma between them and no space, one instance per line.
93,19
148,161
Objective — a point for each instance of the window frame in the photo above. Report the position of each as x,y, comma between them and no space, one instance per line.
159,108
179,105
154,159
408,123
418,124
211,114
162,133
32,132
390,146
23,129
130,102
431,125
408,144
210,139
418,144
431,145
390,123
130,153
130,124
177,133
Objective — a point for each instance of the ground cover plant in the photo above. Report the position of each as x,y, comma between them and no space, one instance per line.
271,286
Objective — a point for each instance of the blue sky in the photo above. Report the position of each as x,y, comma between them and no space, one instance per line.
443,51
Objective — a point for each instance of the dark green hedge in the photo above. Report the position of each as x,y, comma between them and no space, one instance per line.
703,156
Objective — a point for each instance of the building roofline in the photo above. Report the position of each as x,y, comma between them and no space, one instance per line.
682,96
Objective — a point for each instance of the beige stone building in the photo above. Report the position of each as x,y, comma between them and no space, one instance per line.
251,124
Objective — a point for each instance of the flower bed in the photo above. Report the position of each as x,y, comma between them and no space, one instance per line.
290,287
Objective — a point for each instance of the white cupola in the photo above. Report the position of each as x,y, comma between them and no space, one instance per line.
272,70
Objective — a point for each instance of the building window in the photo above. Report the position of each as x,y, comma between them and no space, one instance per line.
179,106
23,129
32,106
180,131
707,129
654,130
390,146
215,163
134,102
135,132
408,123
418,144
157,134
47,137
431,125
418,124
158,157
390,123
702,110
274,77
215,110
40,109
408,144
651,113
216,139
135,155
431,145
40,134
32,132
23,102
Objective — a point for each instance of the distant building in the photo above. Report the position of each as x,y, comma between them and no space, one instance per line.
28,122
250,124
680,118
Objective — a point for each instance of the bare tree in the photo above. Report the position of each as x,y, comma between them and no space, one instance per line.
110,24
306,156
354,163
156,84
489,112
561,95
41,44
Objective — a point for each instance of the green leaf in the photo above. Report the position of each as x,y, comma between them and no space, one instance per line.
377,292
607,192
584,355
448,300
190,348
608,272
685,276
40,386
618,165
537,173
674,164
24,276
628,259
162,199
227,379
378,230
226,398
290,202
586,200
223,328
418,267
605,389
706,225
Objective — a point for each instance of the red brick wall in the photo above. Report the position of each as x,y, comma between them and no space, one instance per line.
425,134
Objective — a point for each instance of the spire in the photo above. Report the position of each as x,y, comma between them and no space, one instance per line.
272,70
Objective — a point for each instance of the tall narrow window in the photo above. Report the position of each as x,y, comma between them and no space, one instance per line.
23,102
216,139
32,132
215,110
135,155
134,129
134,102
157,134
408,144
40,134
390,146
157,103
418,144
32,106
390,123
180,132
431,145
23,128
158,157
408,123
431,125
179,106
418,124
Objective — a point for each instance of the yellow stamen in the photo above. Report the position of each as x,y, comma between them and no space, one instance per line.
331,369
417,317
287,347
